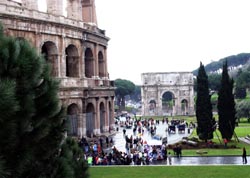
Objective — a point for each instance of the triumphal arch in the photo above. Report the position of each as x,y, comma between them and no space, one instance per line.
76,49
167,94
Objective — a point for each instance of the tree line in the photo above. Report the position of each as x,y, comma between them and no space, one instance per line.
241,87
233,61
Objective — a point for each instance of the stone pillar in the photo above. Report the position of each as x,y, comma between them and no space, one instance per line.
191,101
111,112
106,75
82,62
30,4
107,113
84,127
159,102
95,56
55,7
89,11
61,57
80,131
74,9
97,118
177,105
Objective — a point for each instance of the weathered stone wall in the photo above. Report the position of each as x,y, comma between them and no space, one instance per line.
169,93
71,46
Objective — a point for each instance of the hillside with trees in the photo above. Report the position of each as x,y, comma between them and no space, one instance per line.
233,61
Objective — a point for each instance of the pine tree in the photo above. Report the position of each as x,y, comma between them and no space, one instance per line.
31,118
226,105
71,163
204,113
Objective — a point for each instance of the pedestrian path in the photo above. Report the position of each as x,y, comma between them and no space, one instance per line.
204,160
244,140
119,141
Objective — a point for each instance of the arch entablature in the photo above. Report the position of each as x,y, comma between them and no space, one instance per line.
71,101
167,90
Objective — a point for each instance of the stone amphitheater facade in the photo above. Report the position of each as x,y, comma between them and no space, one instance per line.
77,51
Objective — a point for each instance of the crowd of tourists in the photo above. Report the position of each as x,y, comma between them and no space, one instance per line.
142,154
102,151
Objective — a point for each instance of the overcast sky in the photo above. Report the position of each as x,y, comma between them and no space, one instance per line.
171,35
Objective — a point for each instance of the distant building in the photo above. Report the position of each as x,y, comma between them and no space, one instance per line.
167,94
77,51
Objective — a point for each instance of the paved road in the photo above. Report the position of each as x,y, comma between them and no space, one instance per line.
204,160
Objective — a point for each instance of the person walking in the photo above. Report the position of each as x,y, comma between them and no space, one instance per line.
225,142
244,156
169,158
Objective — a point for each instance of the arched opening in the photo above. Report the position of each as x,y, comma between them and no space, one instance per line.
50,53
101,65
152,106
90,120
72,61
102,117
72,118
184,107
168,103
89,63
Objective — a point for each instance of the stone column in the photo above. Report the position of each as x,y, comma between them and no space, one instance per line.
191,101
97,118
74,9
111,112
30,4
95,56
84,127
177,105
105,62
62,57
80,131
159,101
107,113
55,7
89,11
82,62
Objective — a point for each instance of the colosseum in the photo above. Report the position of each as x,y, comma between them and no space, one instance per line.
77,51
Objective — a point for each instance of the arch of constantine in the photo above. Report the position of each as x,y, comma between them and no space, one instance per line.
77,51
167,94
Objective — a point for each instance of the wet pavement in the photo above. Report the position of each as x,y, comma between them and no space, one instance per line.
204,160
119,141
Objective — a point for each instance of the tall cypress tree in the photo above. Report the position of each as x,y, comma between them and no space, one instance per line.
31,118
204,113
226,105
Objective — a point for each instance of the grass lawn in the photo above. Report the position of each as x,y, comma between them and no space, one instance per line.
241,131
170,172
